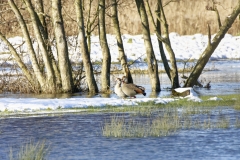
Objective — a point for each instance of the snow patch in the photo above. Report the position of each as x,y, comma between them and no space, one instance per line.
215,99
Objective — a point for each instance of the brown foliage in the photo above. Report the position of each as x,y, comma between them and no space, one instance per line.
185,17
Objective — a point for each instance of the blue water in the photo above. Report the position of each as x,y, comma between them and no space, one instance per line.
224,76
78,136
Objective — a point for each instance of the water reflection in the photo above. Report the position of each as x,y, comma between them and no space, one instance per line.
106,95
224,80
154,94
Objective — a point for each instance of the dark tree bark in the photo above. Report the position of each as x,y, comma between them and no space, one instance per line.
160,43
171,71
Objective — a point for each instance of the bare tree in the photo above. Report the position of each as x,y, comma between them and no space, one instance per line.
106,61
172,71
91,23
62,49
92,85
212,45
23,67
39,9
50,79
30,48
122,56
45,77
202,61
151,59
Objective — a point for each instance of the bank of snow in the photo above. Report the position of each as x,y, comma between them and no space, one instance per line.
185,47
35,105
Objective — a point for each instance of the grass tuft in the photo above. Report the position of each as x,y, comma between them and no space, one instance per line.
160,126
223,122
31,151
130,40
237,123
154,120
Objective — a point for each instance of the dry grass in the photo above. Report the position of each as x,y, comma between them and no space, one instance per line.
184,17
151,120
163,125
158,127
188,17
31,151
13,81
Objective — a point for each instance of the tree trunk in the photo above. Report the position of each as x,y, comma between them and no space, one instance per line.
173,70
30,49
212,45
151,59
20,63
44,31
62,49
91,19
50,81
122,56
160,43
106,62
92,85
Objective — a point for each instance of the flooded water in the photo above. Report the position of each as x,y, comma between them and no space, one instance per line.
223,75
79,136
76,136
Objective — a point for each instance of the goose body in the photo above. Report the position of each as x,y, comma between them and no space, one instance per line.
118,89
131,89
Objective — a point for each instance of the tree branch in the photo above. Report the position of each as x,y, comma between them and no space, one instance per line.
214,8
209,35
167,3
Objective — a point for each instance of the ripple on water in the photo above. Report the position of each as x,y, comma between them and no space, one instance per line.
77,136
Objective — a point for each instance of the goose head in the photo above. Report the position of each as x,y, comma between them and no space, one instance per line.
118,81
124,79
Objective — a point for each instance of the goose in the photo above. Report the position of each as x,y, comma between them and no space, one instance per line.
118,89
131,89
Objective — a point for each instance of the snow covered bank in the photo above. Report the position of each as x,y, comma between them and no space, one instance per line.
185,47
35,105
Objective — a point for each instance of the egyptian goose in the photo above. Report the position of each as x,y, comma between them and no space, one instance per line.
118,89
131,89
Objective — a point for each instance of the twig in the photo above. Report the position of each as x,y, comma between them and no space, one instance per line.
170,2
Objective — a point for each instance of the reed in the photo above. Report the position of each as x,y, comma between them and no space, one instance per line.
119,127
161,126
192,110
154,121
165,125
31,151
237,123
185,17
237,102
223,122
207,123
